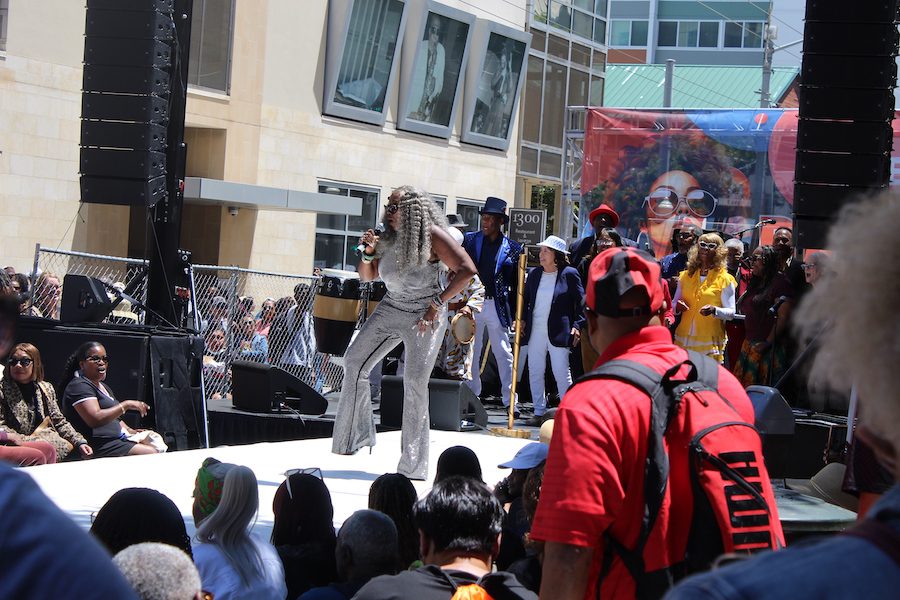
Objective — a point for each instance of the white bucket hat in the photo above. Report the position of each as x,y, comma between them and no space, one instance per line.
555,243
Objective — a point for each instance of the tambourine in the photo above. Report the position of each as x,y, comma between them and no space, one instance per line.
462,327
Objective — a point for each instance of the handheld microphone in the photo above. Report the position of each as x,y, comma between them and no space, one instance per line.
774,309
360,248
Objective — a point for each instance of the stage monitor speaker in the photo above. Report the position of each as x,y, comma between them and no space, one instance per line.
84,300
262,388
824,201
451,404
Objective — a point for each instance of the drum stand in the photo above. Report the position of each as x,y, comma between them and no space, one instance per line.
511,431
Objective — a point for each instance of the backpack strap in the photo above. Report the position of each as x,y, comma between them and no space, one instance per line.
661,390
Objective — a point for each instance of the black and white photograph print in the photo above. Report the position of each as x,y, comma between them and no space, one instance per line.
497,86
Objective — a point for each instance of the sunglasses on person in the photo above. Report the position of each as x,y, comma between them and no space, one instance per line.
663,202
391,208
707,245
753,258
98,359
314,471
22,362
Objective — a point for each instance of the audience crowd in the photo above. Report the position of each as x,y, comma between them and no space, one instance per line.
464,538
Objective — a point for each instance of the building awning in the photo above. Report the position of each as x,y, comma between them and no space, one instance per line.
200,190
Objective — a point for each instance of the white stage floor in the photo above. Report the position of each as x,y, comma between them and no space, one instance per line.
81,488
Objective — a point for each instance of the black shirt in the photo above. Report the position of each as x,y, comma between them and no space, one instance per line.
29,394
431,582
487,264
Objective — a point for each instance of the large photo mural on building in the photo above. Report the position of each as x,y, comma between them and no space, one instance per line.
719,169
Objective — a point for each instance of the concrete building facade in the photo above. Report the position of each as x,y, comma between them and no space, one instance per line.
257,128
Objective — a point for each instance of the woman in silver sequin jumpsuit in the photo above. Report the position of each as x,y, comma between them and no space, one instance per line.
408,257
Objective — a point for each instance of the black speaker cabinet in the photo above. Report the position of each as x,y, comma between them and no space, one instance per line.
451,404
262,388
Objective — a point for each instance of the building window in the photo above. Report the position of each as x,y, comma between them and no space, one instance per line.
628,33
441,201
746,34
212,26
468,211
338,235
688,34
369,51
4,17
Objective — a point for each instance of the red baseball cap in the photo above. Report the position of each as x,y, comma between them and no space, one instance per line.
616,271
605,210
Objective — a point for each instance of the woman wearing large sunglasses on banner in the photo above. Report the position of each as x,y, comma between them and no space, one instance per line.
92,408
705,298
28,405
408,257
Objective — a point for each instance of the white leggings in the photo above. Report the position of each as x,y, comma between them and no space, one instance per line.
538,347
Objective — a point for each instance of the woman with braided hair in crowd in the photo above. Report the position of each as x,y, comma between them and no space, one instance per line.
409,257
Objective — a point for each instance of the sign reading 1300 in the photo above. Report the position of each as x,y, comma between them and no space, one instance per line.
527,226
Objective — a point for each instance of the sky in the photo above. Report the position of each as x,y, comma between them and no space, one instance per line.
787,15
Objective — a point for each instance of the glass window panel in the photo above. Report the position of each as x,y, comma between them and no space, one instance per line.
596,93
370,211
326,221
639,33
620,33
534,83
330,250
600,31
599,63
600,7
528,161
538,40
733,34
581,24
437,69
587,5
558,46
441,201
368,54
468,210
554,105
540,11
551,165
581,55
687,34
668,33
4,19
497,86
560,16
709,34
579,82
210,56
753,35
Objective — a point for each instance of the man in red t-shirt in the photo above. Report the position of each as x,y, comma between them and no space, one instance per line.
594,478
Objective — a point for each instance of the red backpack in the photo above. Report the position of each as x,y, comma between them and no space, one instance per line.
733,504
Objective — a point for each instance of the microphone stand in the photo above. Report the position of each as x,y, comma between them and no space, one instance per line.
771,372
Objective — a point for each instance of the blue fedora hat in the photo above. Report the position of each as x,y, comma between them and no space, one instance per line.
495,206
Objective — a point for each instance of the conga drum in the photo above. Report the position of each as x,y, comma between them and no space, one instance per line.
335,311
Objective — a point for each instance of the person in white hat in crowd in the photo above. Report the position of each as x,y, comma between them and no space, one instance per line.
455,355
510,493
551,320
495,256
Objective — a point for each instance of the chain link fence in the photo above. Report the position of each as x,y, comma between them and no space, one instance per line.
52,266
242,314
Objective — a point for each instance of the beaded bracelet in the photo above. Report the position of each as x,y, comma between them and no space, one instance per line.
367,258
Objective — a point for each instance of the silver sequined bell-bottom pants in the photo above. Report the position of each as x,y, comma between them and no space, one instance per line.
354,426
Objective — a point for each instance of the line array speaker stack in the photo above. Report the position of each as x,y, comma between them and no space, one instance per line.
844,135
128,51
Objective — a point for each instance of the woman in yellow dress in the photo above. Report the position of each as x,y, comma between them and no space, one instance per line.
705,298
